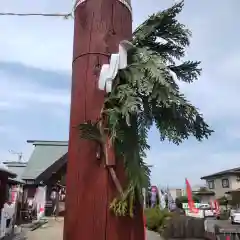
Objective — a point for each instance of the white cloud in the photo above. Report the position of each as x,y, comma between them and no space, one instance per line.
3,129
61,98
16,92
5,105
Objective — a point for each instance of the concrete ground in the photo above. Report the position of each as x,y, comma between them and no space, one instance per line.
53,230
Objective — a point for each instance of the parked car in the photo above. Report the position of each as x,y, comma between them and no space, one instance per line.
208,211
235,216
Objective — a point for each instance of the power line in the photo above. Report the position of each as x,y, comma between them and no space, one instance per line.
76,3
64,15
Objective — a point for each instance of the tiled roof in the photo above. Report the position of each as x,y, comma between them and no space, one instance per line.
44,155
18,168
4,168
229,171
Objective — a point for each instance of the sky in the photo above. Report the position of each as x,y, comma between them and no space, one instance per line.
35,81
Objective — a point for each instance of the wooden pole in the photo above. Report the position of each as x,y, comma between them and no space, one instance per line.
100,25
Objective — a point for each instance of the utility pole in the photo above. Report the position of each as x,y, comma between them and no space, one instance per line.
99,27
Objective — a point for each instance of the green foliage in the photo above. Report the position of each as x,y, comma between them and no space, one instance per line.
223,201
146,93
224,215
184,199
155,218
203,189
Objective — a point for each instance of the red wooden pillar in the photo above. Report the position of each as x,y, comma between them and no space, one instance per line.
99,27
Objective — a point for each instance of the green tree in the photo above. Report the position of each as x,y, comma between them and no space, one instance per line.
145,94
223,201
203,190
184,199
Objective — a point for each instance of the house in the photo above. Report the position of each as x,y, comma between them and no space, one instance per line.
46,167
176,192
222,182
46,159
204,195
43,166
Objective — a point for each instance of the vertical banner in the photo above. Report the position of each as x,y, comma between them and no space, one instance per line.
9,211
3,224
154,191
217,207
13,195
162,198
171,201
40,201
191,205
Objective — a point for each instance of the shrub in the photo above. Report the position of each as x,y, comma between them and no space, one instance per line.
184,199
223,201
155,218
224,215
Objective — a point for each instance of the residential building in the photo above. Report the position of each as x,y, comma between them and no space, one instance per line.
204,195
46,159
46,166
176,192
223,182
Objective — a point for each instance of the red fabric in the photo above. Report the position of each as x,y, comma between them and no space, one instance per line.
228,237
144,225
154,189
190,199
217,207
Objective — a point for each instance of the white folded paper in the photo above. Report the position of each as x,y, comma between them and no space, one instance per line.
109,71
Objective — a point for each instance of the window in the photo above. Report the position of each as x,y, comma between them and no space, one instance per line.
225,183
238,179
211,184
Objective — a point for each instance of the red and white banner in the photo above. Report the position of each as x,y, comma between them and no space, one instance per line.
40,201
215,206
191,205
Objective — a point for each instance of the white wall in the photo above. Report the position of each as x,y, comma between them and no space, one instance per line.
219,190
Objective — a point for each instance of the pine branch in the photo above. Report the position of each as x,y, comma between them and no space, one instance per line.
179,121
167,51
163,25
90,131
187,71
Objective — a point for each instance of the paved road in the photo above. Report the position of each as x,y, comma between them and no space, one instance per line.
153,236
54,231
209,224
